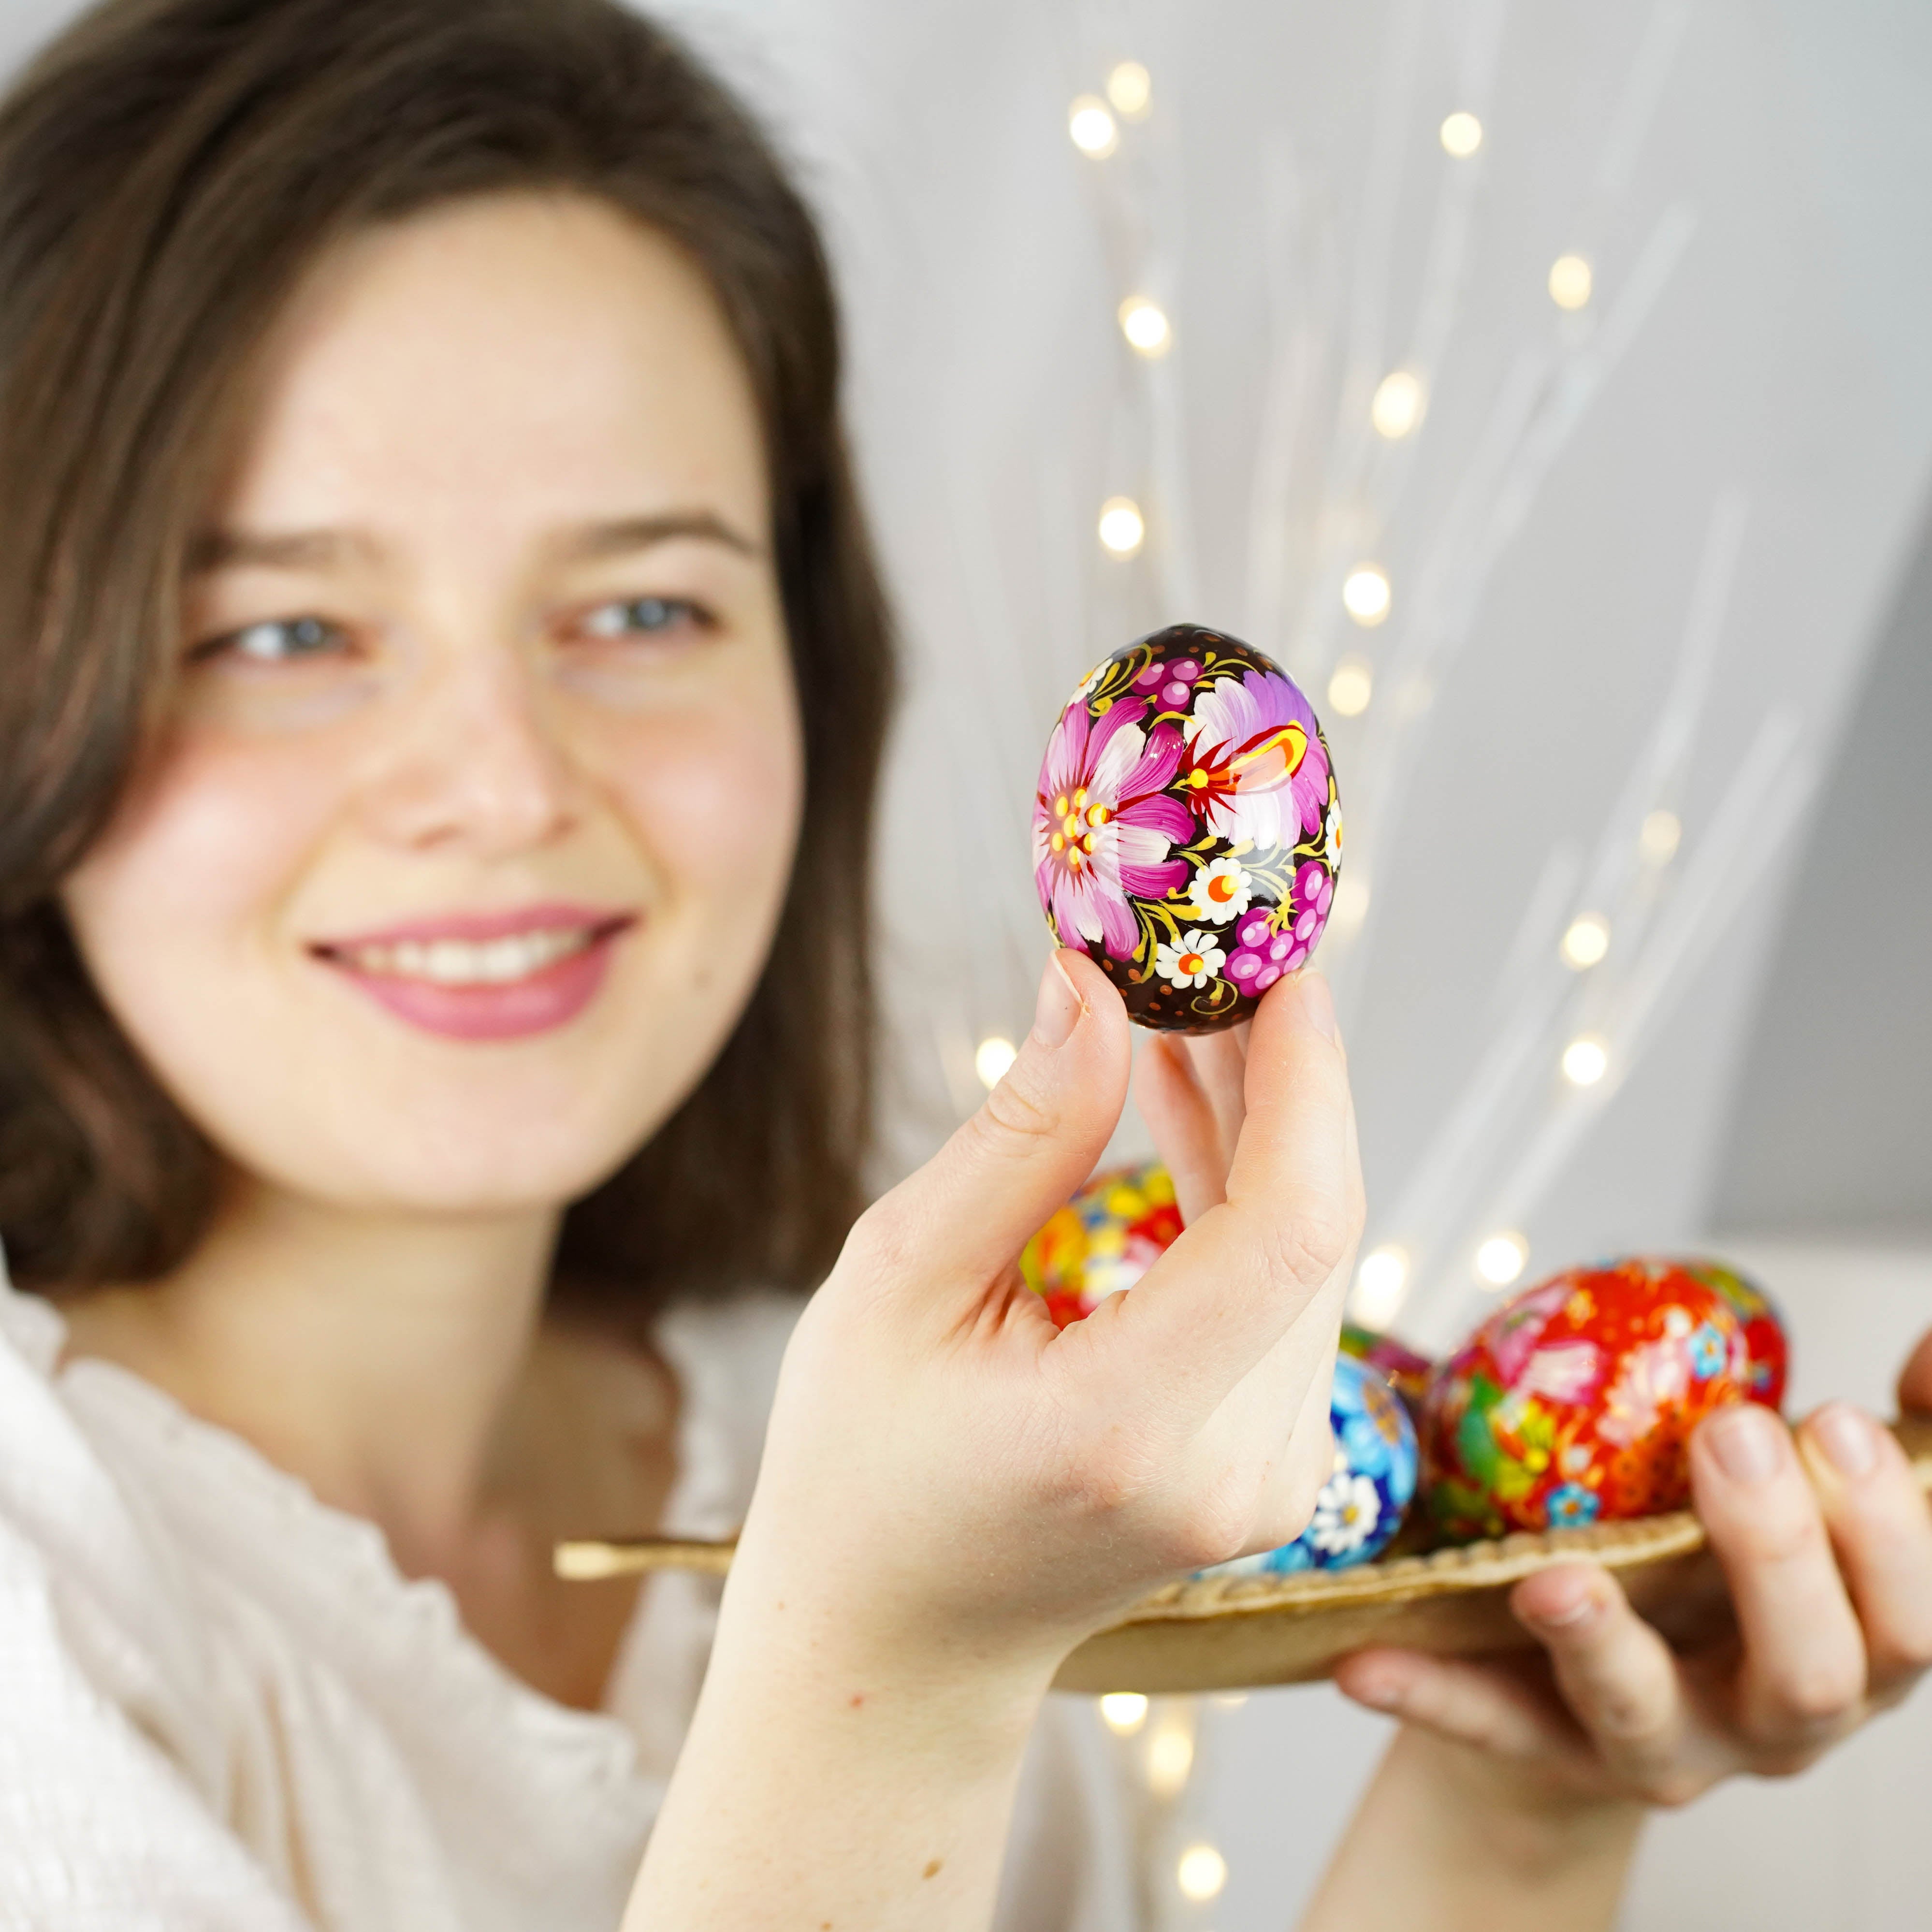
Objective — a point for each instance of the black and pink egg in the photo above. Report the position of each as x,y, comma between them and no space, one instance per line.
1187,830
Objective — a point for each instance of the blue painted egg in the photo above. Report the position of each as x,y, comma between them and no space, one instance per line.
1362,1503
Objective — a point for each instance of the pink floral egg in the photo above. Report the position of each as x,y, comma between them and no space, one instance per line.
1186,832
1575,1401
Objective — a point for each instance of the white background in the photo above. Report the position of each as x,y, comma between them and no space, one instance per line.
1281,202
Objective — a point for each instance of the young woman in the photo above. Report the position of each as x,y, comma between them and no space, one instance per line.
443,679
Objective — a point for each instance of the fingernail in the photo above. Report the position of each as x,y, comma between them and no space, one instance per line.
1748,1441
1317,1002
1845,1434
1059,1007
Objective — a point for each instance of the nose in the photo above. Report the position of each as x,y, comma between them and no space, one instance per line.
475,765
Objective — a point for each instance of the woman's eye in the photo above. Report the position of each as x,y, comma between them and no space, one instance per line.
279,640
643,616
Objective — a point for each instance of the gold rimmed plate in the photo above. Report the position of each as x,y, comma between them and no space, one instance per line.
1238,1633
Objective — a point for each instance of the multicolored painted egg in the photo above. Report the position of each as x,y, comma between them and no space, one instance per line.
1575,1401
1104,1239
1764,1335
1401,1367
1361,1505
1187,833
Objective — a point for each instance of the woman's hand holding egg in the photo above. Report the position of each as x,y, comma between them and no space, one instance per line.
954,1491
947,1471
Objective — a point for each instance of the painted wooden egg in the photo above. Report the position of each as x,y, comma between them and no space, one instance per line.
1401,1367
1362,1503
1765,1336
1186,834
1104,1239
1575,1401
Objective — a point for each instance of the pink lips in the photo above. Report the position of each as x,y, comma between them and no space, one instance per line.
549,997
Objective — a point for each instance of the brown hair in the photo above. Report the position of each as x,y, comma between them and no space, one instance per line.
168,168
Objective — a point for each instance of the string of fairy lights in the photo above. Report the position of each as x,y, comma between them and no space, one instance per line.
1611,936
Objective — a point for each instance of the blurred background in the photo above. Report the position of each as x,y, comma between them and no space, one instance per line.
1546,386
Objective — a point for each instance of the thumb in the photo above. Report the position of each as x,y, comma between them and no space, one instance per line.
968,1212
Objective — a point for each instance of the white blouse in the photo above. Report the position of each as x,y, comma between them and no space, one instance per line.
223,1709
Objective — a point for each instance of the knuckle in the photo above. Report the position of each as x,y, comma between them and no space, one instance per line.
880,1242
1622,1715
1671,1790
1313,1241
1011,1113
1097,1485
1817,1697
1911,1651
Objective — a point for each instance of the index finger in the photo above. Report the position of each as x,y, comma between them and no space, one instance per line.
1236,1281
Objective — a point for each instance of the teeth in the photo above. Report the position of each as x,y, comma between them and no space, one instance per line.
463,962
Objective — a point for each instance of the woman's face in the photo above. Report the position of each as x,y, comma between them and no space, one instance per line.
464,849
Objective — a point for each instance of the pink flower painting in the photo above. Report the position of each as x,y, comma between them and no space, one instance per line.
1256,769
1104,829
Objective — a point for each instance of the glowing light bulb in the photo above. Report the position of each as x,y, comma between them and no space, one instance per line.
1502,1259
1200,1874
1350,905
1397,406
1145,326
1365,594
1092,127
1585,1060
1123,1712
1659,839
1379,1282
1586,941
1130,88
1350,687
992,1057
1569,281
1461,135
1228,1700
1170,1758
1122,526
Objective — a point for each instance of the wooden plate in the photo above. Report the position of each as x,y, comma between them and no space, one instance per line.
1235,1633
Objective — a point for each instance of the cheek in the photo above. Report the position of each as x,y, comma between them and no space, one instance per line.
716,799
199,859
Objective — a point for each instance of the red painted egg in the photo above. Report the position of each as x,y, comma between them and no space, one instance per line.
1104,1239
1575,1401
1765,1334
1186,832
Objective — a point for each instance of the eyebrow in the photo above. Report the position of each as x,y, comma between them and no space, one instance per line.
634,533
294,550
313,550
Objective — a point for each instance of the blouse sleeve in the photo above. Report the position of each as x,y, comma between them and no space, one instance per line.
99,1826
108,1760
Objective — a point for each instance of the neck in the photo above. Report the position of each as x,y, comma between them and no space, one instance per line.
373,1355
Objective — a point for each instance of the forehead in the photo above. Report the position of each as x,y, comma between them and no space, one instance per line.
507,362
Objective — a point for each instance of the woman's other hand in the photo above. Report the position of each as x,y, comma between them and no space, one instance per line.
1520,1782
1826,1543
